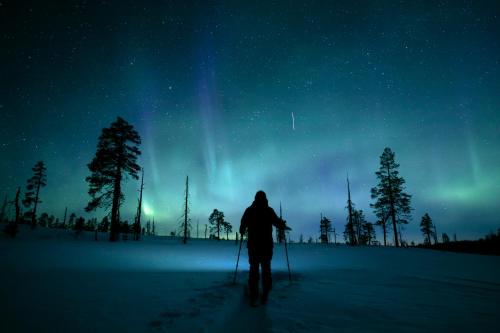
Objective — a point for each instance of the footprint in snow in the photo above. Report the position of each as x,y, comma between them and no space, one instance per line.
171,314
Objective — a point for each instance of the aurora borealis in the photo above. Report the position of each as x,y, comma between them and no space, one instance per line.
287,97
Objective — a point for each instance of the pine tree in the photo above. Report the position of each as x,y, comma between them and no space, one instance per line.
79,225
227,228
91,224
116,157
104,225
51,222
216,221
325,227
368,233
43,221
71,221
389,193
33,186
12,228
426,226
446,238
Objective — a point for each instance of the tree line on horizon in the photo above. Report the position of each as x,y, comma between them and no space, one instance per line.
391,206
116,159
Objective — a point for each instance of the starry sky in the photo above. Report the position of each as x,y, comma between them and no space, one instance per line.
283,96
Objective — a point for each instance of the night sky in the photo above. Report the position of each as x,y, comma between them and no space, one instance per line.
287,97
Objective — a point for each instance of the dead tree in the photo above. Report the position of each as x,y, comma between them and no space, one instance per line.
137,224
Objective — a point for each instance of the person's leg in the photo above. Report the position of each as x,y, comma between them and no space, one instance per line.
253,279
267,281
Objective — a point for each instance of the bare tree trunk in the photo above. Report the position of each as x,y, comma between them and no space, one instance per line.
64,219
16,203
393,209
137,227
186,211
33,214
400,235
384,227
2,212
435,235
349,206
218,229
115,223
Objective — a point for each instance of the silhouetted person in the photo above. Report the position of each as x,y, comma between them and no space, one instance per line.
258,220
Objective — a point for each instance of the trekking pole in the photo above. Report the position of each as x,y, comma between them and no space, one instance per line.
287,261
237,261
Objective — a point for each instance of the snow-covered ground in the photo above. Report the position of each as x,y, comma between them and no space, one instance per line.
51,282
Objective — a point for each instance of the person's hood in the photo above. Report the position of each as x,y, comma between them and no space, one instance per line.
260,203
260,199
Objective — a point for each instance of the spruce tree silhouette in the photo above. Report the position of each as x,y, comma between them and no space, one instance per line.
116,157
426,226
227,228
325,227
216,221
368,233
389,193
12,227
33,186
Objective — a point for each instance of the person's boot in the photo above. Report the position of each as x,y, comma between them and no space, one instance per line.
264,297
253,294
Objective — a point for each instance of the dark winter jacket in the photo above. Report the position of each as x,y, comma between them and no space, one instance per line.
259,220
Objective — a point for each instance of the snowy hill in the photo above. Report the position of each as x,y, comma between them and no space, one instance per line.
52,282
